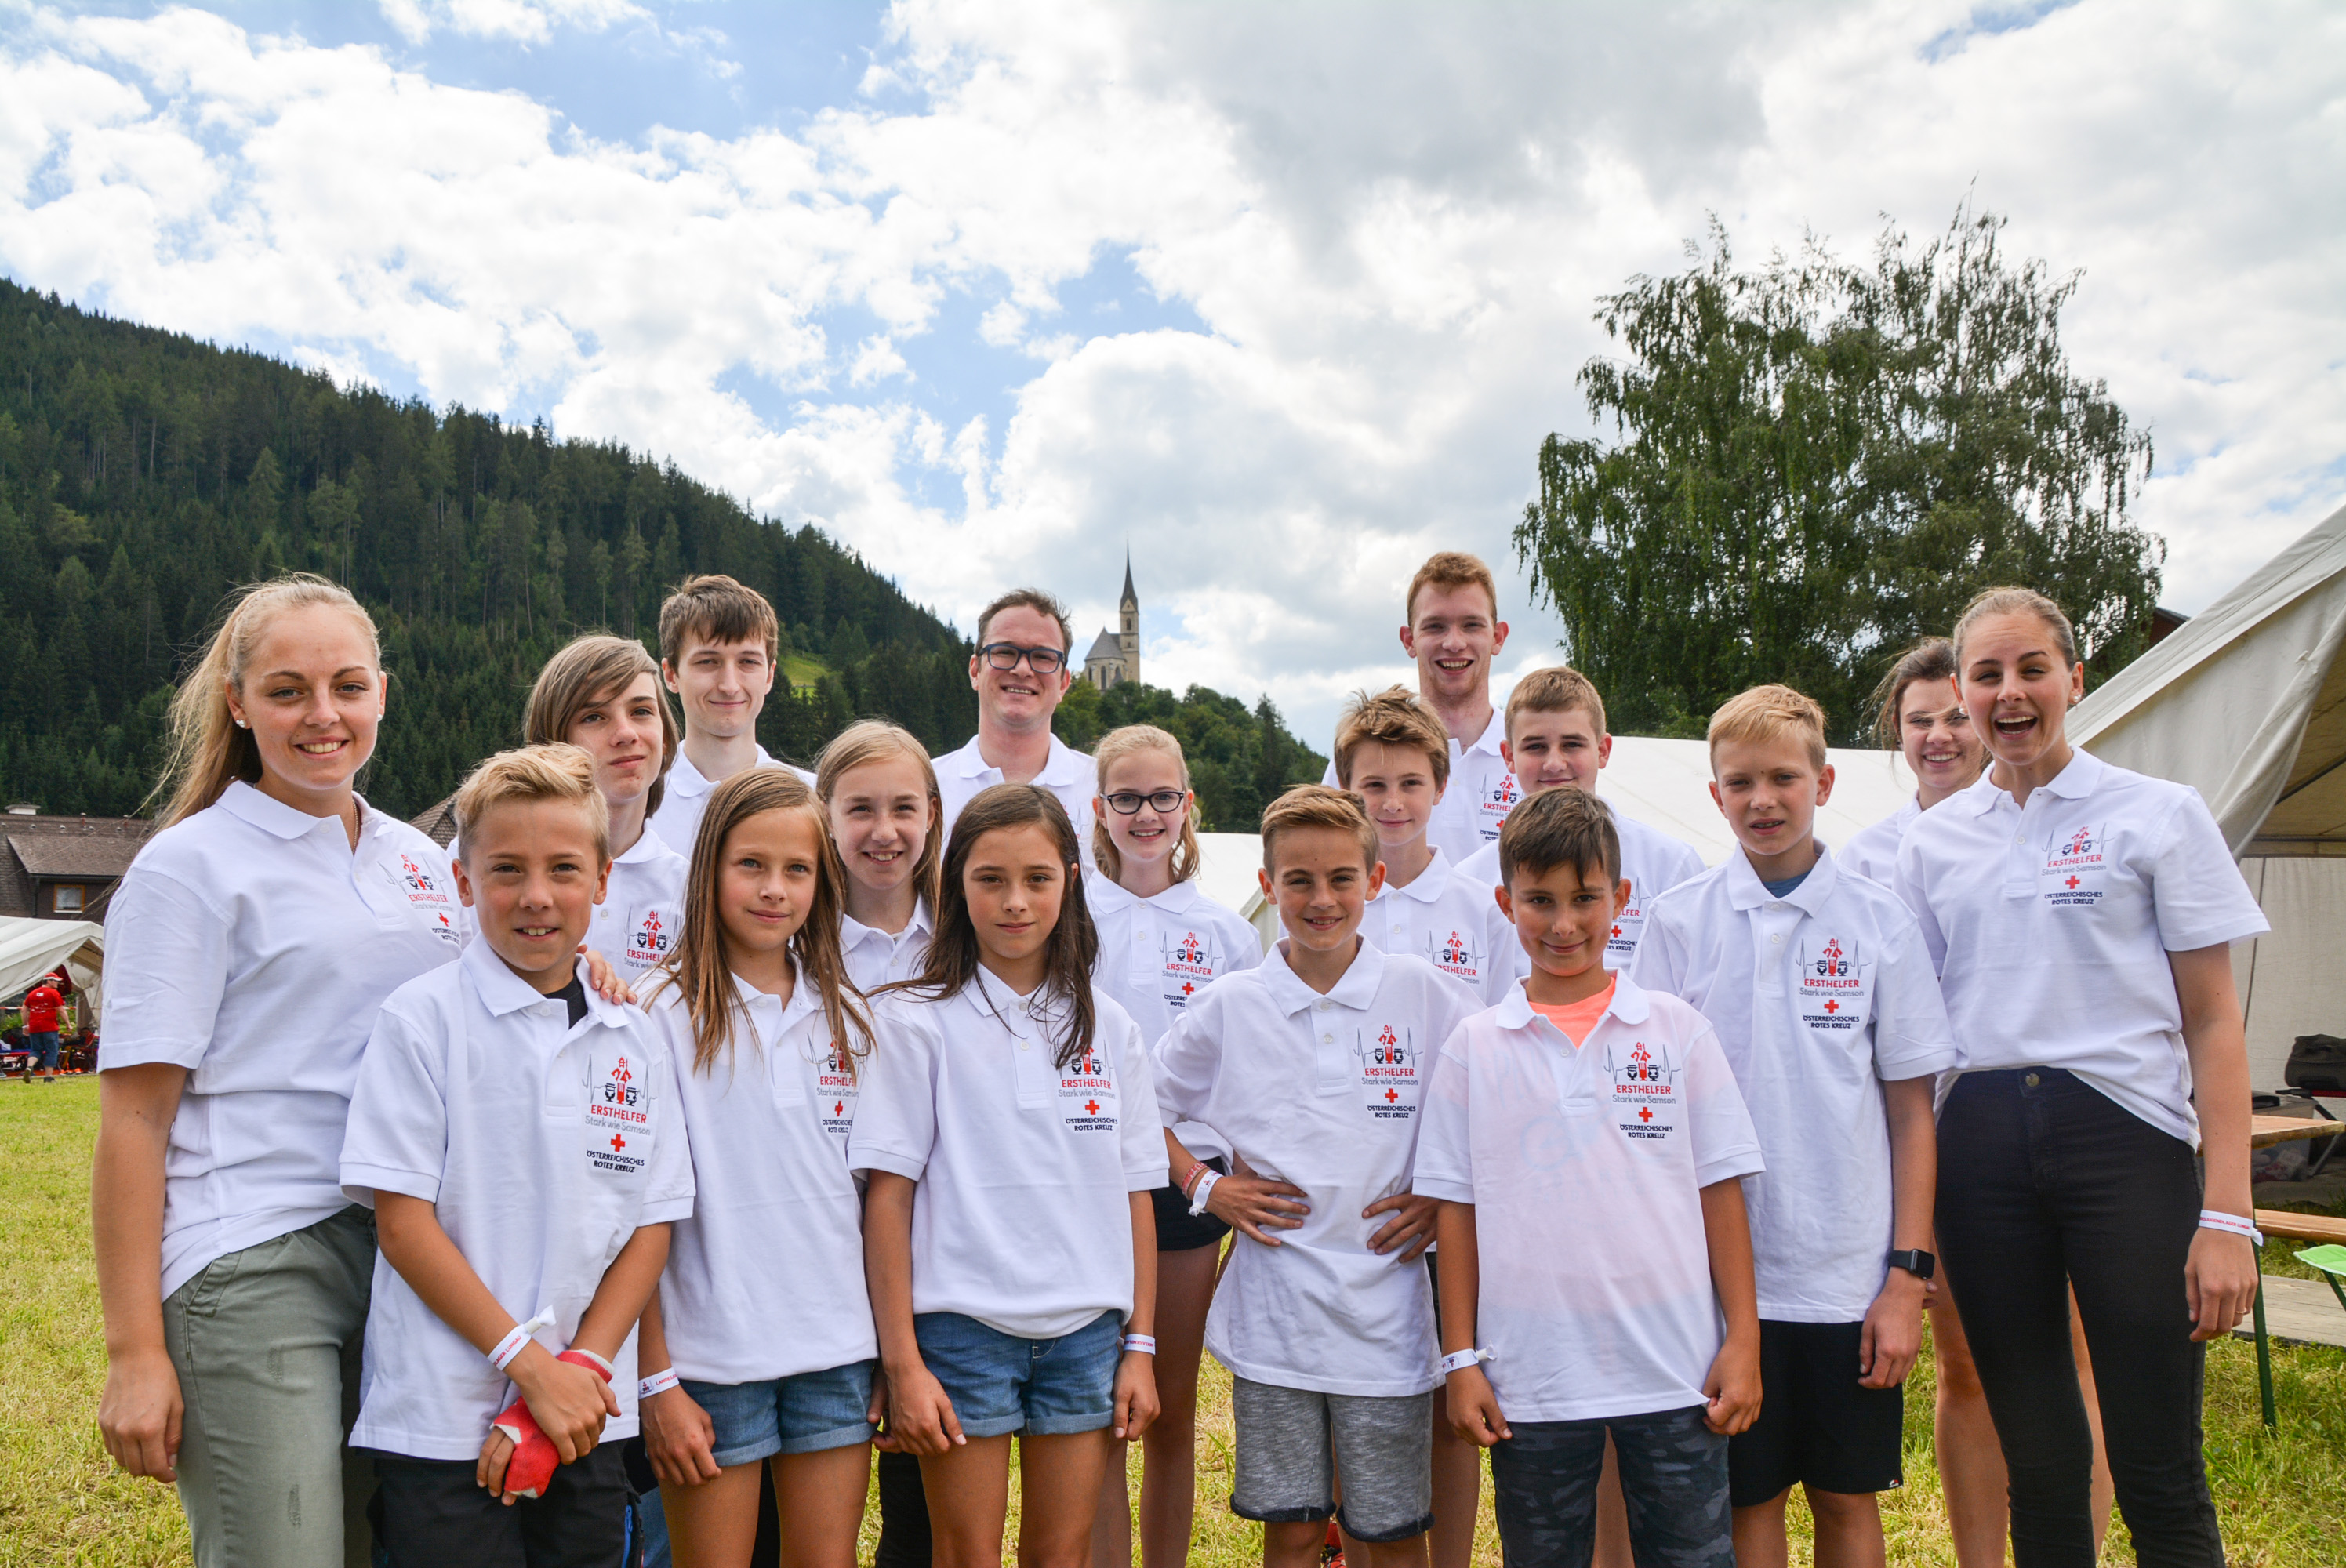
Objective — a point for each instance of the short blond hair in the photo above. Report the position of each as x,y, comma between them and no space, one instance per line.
1770,713
1558,689
559,771
1450,569
1394,716
1317,805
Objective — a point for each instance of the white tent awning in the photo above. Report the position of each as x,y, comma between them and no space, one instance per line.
29,949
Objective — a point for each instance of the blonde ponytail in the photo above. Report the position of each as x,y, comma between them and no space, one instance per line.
204,751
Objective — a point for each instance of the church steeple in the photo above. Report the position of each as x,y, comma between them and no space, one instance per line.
1127,638
1130,600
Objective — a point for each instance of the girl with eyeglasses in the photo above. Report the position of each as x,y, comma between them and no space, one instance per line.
1161,942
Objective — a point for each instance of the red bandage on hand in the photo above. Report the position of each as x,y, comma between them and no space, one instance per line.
535,1457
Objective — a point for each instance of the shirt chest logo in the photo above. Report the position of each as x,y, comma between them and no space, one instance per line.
1621,941
650,935
1087,1095
1646,1098
1455,951
1495,803
427,897
835,1090
2075,871
619,1117
1834,988
1187,964
1389,1073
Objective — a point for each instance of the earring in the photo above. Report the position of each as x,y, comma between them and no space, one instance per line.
240,724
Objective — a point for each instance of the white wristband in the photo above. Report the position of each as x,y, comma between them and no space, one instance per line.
1144,1343
1459,1360
2210,1219
513,1343
1205,1184
659,1383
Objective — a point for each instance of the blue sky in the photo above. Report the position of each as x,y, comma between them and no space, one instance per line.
1283,297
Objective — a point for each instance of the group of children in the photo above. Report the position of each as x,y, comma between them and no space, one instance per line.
774,1119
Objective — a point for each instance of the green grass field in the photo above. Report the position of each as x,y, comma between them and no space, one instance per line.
2282,1498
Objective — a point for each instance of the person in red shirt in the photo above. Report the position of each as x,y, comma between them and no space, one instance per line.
42,1005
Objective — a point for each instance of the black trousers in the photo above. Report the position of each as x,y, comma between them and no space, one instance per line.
903,1514
429,1515
2045,1183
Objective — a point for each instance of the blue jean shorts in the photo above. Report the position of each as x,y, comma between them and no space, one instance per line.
1000,1384
801,1414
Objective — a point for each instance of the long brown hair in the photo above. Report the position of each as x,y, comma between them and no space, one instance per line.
597,667
1069,951
1114,748
204,751
701,968
1933,658
874,741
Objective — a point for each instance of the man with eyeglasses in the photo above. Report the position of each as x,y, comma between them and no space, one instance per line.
1020,671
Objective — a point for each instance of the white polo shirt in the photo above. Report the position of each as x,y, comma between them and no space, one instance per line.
876,957
1023,1219
1873,852
765,1280
541,1146
251,945
1448,918
1476,802
1069,774
642,913
2051,925
1652,863
1156,955
1818,998
1586,1165
1323,1092
678,820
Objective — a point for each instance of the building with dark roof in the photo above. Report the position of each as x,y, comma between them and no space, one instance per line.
1114,656
65,867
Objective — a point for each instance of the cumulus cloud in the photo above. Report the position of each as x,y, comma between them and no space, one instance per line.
1381,228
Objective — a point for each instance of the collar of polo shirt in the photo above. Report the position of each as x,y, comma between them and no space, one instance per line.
1629,1005
2080,779
1355,991
1428,884
804,1000
272,815
1104,893
503,991
1745,890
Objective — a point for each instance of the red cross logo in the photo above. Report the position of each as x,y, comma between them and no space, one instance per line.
1188,989
617,1142
2073,880
1645,1113
838,1108
1390,1095
1091,1108
1832,1004
1617,931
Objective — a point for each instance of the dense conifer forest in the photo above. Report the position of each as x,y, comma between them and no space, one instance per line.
143,474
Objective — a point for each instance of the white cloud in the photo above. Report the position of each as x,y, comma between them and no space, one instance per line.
1390,221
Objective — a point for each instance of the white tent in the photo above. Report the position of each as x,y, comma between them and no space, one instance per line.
2246,704
1665,784
29,949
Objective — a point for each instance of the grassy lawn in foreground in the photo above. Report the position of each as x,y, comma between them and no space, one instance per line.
2281,1498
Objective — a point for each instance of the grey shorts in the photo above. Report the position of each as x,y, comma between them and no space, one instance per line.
1294,1443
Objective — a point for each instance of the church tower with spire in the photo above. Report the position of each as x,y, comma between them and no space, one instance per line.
1114,656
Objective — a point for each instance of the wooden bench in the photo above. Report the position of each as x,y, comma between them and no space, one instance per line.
2300,1226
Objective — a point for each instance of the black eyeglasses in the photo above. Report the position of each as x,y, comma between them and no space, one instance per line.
1164,802
1041,661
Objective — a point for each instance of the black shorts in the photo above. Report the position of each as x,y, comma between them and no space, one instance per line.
428,1511
1179,1230
1817,1425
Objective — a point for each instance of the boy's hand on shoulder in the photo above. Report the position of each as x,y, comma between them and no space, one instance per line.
604,980
569,1402
1248,1203
1412,1225
1892,1335
679,1438
1732,1390
920,1417
1475,1413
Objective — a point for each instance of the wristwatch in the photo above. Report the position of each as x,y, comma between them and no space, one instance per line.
1916,1262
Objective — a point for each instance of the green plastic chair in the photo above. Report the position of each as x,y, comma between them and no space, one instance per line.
2328,1260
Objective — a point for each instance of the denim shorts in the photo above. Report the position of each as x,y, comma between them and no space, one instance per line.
801,1414
1000,1384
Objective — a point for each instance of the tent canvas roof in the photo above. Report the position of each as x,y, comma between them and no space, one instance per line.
2246,704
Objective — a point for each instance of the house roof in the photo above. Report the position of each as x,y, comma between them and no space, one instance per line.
1105,646
438,823
64,848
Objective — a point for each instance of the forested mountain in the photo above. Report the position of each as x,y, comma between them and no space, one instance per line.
143,474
